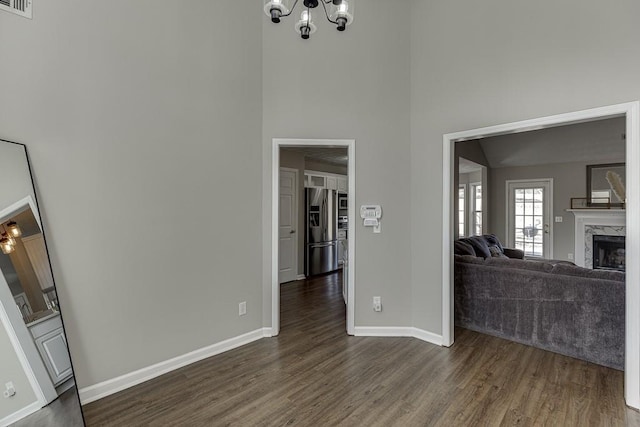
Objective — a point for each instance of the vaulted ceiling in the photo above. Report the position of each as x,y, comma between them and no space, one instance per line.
601,141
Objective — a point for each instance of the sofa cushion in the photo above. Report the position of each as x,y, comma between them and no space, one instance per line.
570,270
469,259
520,264
463,248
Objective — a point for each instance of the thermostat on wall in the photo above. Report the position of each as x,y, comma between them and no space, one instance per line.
371,215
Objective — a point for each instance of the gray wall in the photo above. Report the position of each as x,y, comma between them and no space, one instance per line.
476,64
15,185
569,180
350,85
144,128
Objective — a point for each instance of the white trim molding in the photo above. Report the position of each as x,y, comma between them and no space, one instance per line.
629,110
276,143
593,217
106,388
398,331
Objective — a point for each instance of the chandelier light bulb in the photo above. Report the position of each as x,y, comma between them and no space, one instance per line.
337,12
6,245
14,229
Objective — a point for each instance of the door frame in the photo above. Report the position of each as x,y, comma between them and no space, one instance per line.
629,110
18,332
296,206
508,220
276,144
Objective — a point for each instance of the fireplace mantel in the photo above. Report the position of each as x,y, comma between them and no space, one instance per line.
595,221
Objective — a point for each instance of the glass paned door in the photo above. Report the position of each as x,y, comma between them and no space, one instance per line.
462,202
529,211
476,209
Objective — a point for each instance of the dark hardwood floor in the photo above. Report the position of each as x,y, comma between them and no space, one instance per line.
62,412
313,374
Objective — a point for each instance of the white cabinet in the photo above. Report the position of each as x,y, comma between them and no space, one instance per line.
330,181
52,345
343,184
315,181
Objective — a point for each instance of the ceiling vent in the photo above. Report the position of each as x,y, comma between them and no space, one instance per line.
19,7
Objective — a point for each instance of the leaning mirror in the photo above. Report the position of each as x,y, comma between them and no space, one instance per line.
36,375
606,185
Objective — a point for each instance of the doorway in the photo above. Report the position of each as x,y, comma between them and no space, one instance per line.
330,181
631,112
529,226
13,316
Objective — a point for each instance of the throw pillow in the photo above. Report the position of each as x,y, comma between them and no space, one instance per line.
492,240
479,246
463,248
496,252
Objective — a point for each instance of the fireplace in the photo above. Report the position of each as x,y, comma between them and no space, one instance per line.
608,252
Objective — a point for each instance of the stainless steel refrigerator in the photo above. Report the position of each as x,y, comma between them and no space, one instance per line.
321,237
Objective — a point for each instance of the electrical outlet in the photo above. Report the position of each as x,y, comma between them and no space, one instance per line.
558,219
242,308
570,257
10,390
377,304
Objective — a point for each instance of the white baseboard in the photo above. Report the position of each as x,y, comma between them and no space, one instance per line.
17,416
427,336
65,386
301,277
398,331
103,389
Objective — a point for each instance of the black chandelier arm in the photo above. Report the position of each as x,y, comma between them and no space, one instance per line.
290,10
324,6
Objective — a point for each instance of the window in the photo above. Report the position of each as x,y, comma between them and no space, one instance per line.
476,209
462,202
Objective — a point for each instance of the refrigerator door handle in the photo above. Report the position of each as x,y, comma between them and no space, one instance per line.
323,245
324,219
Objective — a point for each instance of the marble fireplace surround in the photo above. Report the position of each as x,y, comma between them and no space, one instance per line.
611,222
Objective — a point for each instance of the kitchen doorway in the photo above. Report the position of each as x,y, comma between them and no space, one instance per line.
323,226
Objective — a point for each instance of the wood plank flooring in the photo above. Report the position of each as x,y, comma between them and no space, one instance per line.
62,412
313,374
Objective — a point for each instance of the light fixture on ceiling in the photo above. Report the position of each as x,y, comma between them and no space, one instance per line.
14,229
6,245
8,237
338,12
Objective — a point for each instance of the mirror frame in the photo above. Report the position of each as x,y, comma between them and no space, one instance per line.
591,169
33,204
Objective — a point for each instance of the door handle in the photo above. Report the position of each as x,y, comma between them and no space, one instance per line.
546,228
292,231
324,245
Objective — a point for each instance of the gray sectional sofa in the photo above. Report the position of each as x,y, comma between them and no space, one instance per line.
553,305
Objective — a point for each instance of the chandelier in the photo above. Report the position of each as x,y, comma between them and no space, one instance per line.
338,12
7,238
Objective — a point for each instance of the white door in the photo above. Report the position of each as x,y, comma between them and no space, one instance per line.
288,237
529,207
